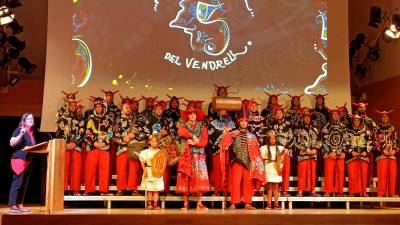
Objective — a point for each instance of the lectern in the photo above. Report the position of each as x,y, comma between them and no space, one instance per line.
55,172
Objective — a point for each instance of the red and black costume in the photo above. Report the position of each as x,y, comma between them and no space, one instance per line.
335,141
64,108
247,171
99,129
257,124
357,160
386,146
294,113
217,128
71,128
285,138
307,143
172,115
149,110
128,170
370,125
268,111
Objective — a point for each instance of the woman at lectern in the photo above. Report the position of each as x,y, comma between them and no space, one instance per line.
20,162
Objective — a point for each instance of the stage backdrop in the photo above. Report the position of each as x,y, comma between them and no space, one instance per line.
184,47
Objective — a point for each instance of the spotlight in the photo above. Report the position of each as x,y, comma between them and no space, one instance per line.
361,71
13,80
373,54
15,42
16,27
6,15
394,29
27,66
375,16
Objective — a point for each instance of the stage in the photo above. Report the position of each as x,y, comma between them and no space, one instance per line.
203,217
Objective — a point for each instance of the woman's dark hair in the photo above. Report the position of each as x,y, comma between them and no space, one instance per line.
23,119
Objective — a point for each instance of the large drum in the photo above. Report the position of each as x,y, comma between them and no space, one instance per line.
135,147
159,163
172,148
227,103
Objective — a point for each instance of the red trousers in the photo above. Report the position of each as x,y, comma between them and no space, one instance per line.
72,174
166,179
240,184
285,174
216,173
334,175
129,172
306,175
113,155
357,171
370,168
387,174
97,161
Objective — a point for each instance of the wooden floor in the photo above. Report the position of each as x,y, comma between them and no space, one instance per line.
203,217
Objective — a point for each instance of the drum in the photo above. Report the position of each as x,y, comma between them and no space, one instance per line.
227,103
135,147
159,163
172,148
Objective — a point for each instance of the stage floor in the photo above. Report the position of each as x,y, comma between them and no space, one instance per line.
203,217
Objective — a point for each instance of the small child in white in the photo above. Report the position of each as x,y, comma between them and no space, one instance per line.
152,184
272,155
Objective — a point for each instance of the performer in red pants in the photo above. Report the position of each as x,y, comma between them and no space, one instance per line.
357,162
386,145
335,142
247,170
70,127
308,142
361,110
126,168
217,128
192,170
284,135
99,130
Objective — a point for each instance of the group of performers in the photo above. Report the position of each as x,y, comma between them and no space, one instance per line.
233,152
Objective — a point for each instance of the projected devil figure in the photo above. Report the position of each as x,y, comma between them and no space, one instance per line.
204,22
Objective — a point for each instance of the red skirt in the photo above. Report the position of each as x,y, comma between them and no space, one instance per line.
198,182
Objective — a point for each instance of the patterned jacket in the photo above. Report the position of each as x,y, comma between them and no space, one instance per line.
172,117
385,138
122,126
335,138
284,134
71,128
307,137
360,142
258,126
99,128
216,132
294,117
113,111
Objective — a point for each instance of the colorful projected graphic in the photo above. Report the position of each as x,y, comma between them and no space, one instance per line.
82,68
256,46
320,48
205,24
83,63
